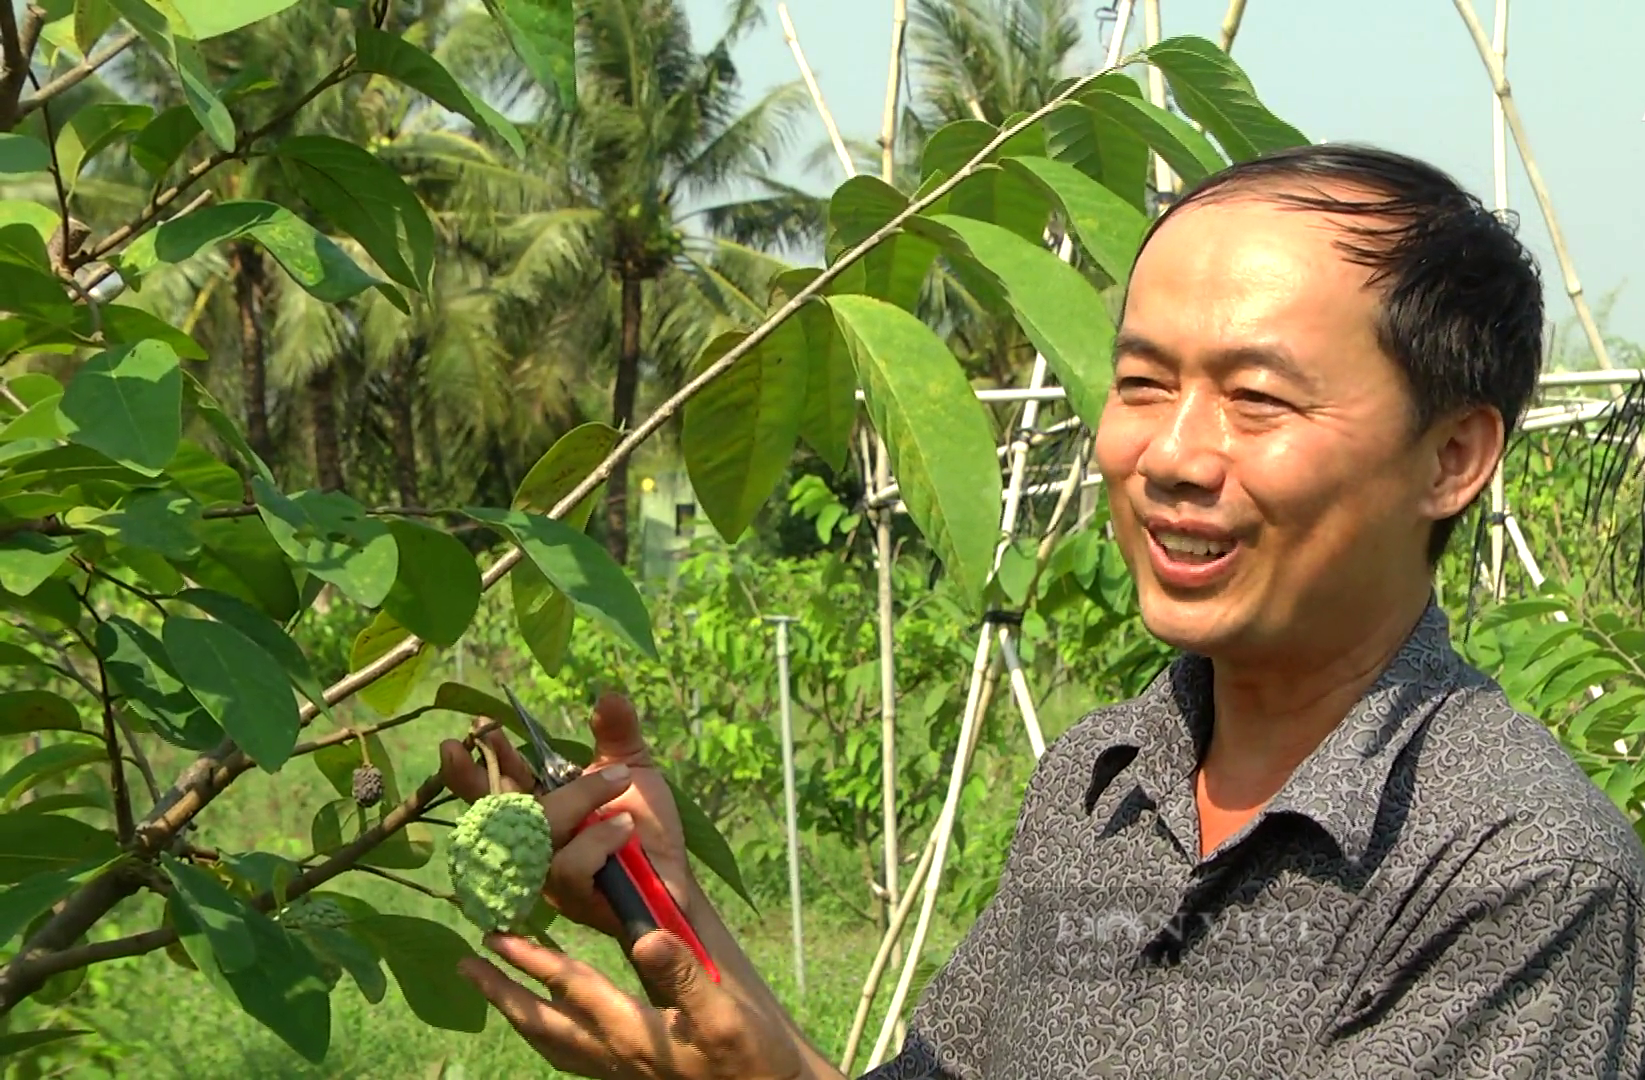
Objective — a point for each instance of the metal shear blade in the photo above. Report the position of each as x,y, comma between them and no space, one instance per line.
552,769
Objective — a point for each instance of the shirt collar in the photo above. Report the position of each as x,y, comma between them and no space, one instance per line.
1339,786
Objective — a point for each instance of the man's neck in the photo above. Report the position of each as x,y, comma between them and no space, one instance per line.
1270,717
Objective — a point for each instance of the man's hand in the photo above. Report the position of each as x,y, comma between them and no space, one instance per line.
623,778
696,1030
588,1027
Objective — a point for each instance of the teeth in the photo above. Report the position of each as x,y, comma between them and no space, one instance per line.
1192,545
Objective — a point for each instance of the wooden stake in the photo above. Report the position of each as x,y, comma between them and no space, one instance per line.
1230,24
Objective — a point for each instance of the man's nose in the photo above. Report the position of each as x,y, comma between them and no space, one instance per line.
1188,448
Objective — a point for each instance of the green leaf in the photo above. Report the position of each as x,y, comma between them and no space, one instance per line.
581,569
92,19
39,421
42,219
221,915
54,601
704,840
1213,90
388,693
226,429
210,18
1188,152
239,684
365,198
334,538
423,956
338,761
471,702
23,712
1102,148
163,140
741,431
27,559
23,154
124,324
354,957
266,633
127,404
20,904
1059,310
153,690
239,556
17,656
17,1042
284,990
811,339
1109,228
48,763
895,269
543,33
941,444
542,612
312,259
91,129
381,53
437,588
165,31
46,843
158,520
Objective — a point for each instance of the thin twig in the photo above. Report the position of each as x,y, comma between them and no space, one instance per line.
211,773
361,732
164,199
72,236
77,74
17,52
138,758
54,526
104,271
816,92
415,886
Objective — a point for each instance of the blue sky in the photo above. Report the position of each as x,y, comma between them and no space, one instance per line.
1398,73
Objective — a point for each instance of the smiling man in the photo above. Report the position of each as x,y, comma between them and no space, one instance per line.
1320,844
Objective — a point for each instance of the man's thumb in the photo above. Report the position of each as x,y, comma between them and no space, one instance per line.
616,729
670,972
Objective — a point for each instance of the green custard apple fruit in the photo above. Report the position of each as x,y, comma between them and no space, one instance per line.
498,858
308,914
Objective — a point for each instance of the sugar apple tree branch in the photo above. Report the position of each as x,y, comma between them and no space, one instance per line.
209,775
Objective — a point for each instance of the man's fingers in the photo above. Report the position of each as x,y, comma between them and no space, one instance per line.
569,806
616,729
576,862
462,774
671,973
510,763
555,1033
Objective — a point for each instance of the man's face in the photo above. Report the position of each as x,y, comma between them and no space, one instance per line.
1267,486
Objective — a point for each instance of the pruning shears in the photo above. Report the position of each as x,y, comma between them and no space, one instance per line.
628,880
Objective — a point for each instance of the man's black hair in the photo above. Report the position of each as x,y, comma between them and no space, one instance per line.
1462,298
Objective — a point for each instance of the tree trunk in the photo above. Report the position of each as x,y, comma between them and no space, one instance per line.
250,289
622,418
402,397
328,452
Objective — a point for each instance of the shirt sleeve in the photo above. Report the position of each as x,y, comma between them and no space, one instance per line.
1537,973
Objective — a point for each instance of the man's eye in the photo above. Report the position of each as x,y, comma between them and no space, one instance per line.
1260,400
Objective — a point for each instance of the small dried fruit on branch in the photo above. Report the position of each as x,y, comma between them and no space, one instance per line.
498,860
368,786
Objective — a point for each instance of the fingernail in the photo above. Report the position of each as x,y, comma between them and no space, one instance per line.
615,773
623,821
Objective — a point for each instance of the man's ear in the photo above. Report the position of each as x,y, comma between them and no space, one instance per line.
1464,448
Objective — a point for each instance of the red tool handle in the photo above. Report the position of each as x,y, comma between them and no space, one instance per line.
642,902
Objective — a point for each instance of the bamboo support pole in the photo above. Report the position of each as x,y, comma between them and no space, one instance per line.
1164,179
882,526
1230,24
893,932
829,126
1499,83
971,718
1499,169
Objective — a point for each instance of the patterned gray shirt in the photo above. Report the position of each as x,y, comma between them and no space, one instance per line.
1437,891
